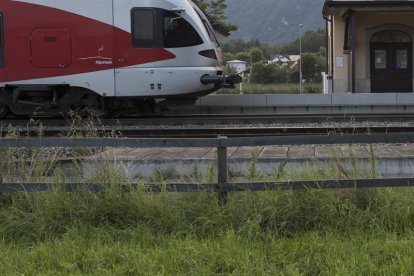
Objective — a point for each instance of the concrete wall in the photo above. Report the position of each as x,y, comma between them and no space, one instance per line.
340,68
308,103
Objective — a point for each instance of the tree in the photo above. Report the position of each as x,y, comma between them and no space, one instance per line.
312,66
244,56
228,57
237,45
256,55
215,9
312,41
322,51
278,74
258,74
271,73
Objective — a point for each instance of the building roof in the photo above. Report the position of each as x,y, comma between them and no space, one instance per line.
280,56
236,61
339,7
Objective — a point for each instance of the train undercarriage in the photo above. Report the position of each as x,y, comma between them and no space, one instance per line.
58,101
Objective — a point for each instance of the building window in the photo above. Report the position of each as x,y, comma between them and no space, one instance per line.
143,28
380,59
178,32
391,36
401,59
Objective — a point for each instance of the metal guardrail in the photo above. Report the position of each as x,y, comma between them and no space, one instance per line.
226,188
218,142
221,143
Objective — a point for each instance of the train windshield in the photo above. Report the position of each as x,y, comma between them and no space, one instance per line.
178,32
159,28
207,25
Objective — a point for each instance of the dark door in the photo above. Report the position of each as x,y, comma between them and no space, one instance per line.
391,67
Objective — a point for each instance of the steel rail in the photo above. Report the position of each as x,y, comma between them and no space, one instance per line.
212,118
206,132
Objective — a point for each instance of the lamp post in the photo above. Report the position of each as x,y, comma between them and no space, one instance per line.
300,58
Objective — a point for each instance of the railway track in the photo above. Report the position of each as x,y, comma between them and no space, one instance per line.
198,126
215,118
257,131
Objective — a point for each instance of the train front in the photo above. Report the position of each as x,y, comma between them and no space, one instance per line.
189,35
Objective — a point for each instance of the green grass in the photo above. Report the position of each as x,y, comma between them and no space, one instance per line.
139,252
269,233
290,88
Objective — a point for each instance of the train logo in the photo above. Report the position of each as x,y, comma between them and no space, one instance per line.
99,59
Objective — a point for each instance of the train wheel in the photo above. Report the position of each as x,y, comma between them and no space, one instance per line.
94,108
4,110
96,112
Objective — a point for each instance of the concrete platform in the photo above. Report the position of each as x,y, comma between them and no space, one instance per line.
390,160
308,103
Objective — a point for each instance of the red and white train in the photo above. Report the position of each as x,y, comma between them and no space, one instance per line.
104,55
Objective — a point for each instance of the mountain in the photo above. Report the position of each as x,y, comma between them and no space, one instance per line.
273,21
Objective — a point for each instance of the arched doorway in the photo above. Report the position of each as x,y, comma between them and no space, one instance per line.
391,62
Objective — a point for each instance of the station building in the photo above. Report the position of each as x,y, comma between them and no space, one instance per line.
370,45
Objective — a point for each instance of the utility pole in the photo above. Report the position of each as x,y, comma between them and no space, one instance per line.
300,59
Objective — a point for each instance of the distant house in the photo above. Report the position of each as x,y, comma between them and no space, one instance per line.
239,65
284,59
294,58
280,59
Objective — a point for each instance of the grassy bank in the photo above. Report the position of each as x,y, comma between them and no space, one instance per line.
289,88
139,233
315,232
148,254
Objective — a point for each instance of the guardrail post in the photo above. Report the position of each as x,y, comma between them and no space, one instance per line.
222,173
2,166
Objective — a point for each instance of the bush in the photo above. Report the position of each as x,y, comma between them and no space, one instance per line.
294,77
312,67
256,55
227,57
269,74
244,56
312,88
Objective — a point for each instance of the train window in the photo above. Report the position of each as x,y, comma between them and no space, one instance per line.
1,42
207,25
143,28
178,32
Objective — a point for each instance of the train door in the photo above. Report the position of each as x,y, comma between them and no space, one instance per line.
138,45
2,70
130,79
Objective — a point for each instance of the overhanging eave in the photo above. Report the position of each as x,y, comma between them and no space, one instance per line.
338,8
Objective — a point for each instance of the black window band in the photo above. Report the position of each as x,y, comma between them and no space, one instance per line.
159,28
